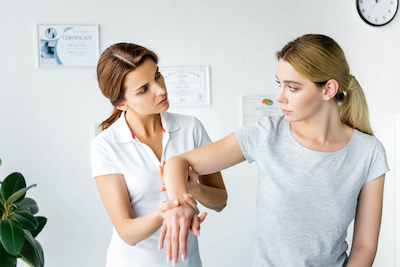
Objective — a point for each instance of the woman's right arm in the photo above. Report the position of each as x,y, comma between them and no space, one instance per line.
115,198
204,160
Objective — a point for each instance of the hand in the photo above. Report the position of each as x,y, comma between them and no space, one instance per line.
175,228
166,205
191,183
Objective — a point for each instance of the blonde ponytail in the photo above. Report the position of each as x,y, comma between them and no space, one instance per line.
354,109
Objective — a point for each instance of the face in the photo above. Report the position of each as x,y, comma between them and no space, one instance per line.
146,93
300,98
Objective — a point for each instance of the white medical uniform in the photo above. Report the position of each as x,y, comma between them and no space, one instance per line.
117,150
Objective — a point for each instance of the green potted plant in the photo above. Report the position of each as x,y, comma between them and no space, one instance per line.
18,225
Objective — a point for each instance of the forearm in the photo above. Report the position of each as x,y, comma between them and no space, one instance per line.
361,256
132,231
175,176
210,197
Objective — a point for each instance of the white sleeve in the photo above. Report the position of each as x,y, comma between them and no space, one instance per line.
201,135
102,158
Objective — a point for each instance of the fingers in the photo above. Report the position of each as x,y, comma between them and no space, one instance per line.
175,242
168,243
196,225
161,171
190,200
161,238
171,204
183,235
163,189
167,205
203,216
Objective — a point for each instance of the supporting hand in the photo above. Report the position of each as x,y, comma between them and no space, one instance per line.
177,223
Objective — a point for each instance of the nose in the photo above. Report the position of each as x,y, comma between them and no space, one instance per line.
160,90
281,96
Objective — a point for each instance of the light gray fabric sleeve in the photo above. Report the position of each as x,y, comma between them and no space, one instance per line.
378,164
201,135
251,137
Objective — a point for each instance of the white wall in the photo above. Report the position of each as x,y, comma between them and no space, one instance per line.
47,116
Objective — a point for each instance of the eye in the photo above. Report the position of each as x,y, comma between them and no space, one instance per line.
292,89
279,84
143,91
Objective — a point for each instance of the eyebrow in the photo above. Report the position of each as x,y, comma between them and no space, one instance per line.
144,85
289,81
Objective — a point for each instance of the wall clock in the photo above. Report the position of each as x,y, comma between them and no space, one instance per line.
377,12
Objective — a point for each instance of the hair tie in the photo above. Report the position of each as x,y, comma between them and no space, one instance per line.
352,84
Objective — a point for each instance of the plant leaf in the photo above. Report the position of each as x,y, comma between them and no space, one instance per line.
32,250
42,222
1,207
26,219
28,204
12,236
19,195
7,260
14,182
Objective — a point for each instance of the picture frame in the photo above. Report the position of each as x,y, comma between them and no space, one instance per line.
187,87
256,107
67,46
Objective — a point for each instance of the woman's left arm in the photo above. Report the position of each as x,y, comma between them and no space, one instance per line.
210,191
367,224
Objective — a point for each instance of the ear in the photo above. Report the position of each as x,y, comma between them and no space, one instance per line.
330,89
122,106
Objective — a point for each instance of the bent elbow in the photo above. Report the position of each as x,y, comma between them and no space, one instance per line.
220,208
130,242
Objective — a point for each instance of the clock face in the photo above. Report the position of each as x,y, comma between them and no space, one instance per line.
377,12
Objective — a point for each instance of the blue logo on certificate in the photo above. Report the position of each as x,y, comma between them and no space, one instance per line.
51,33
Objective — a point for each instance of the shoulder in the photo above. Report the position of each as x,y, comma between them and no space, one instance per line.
185,122
180,118
365,141
367,146
273,122
105,138
266,124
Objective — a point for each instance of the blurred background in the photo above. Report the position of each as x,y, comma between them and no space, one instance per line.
48,116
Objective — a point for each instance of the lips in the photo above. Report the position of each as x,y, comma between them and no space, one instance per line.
163,101
286,112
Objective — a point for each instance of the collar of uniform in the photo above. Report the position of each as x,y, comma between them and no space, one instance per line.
168,122
122,133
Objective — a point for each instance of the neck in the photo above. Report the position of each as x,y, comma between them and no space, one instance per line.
323,126
143,125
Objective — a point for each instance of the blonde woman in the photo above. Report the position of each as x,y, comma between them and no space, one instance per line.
319,165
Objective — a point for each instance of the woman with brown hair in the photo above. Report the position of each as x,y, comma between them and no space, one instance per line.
319,164
126,158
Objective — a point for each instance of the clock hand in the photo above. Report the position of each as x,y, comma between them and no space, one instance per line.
373,6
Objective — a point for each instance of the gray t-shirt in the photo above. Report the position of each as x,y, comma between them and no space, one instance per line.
306,199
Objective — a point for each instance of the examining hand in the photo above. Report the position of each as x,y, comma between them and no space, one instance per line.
191,183
177,223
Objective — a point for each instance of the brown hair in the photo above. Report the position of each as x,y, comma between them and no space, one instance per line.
319,58
115,62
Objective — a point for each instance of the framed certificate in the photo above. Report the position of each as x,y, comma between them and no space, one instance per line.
256,107
68,46
187,86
